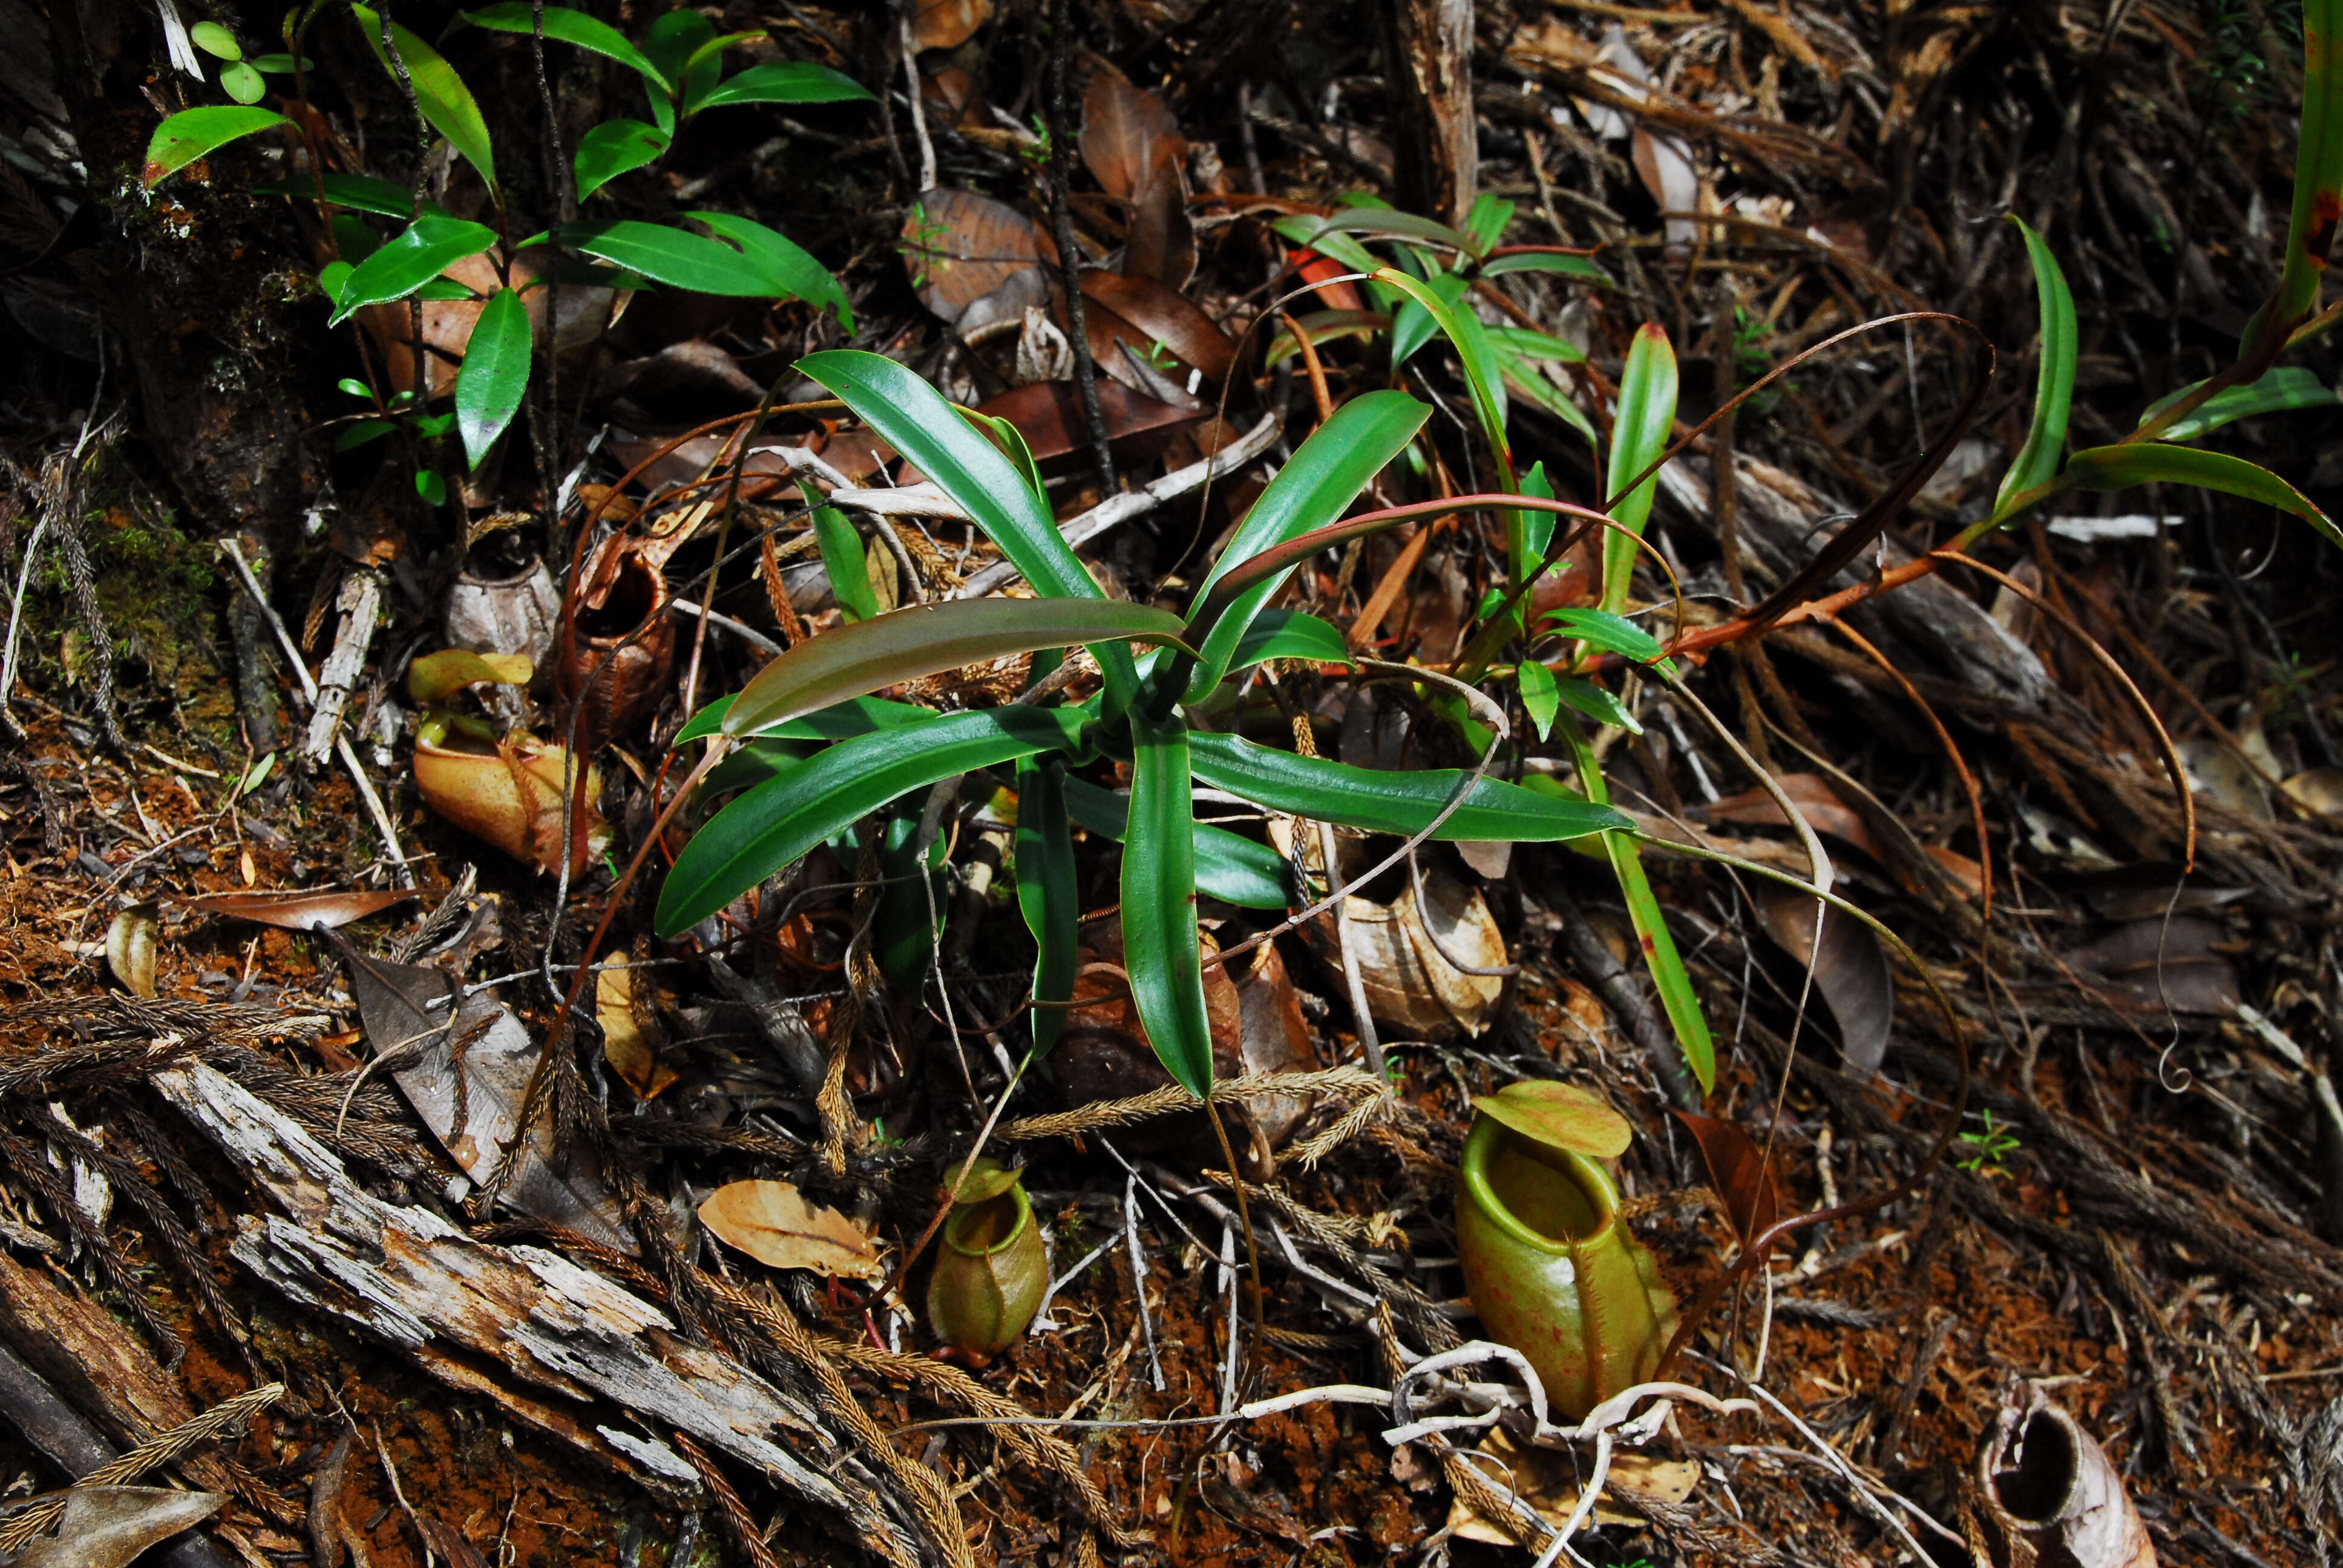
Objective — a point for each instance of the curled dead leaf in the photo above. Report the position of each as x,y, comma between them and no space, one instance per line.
509,795
2052,1491
1410,982
1549,1482
295,909
773,1223
109,1526
627,1044
130,949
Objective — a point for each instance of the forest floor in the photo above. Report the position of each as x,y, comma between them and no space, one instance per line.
211,1179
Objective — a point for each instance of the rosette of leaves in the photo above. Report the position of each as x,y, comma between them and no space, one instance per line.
817,753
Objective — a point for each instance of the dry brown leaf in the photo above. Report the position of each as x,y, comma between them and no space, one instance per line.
961,247
1410,984
108,1526
295,909
1128,135
1823,808
627,1046
1548,1482
1048,414
130,949
2319,790
946,24
1852,971
1154,314
772,1223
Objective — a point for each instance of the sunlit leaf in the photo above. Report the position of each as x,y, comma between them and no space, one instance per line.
1647,412
842,559
788,82
1158,905
2155,462
192,134
781,258
494,375
439,93
409,260
1288,634
570,27
2282,390
1538,698
1606,632
772,825
1313,488
613,148
1383,801
915,419
677,258
1559,1115
862,657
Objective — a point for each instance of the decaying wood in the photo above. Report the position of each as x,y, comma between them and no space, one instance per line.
1781,526
1429,49
360,603
410,1277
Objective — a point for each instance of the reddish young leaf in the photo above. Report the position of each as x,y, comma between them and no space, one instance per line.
1315,270
1739,1172
295,910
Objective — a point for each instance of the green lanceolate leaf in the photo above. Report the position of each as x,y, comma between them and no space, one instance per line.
1539,699
1288,634
842,559
2153,462
1544,261
916,420
1525,379
909,912
1384,223
1482,374
2054,383
1414,326
840,721
1489,218
570,26
494,375
678,259
856,659
2282,390
613,148
770,826
1669,976
1047,893
1647,412
2317,175
1399,802
1321,482
1231,867
1158,905
1526,344
1606,633
409,260
1595,703
191,134
671,41
439,93
799,274
354,192
788,82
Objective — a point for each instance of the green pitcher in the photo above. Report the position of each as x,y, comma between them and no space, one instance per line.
1552,1268
990,1267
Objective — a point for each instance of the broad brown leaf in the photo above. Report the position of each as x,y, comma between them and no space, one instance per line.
1152,313
294,910
960,248
1851,969
1128,135
946,24
1738,1169
773,1223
